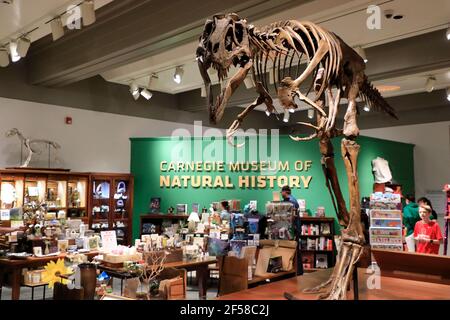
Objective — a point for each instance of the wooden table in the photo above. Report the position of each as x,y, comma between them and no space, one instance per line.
391,289
14,267
121,274
200,266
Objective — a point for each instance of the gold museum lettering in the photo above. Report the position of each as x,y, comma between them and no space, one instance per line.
172,179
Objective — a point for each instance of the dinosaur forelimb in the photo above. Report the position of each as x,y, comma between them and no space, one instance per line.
229,89
236,123
304,98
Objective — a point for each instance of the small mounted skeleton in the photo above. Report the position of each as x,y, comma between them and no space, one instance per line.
333,71
32,145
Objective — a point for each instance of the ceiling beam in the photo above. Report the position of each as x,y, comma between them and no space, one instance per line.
129,30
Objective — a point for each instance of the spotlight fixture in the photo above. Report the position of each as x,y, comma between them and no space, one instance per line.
178,75
430,84
248,81
448,34
134,90
268,113
286,115
4,58
13,51
291,110
88,12
362,53
203,92
448,93
367,108
146,94
57,28
23,44
310,113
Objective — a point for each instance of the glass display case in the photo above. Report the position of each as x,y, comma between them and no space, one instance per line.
103,201
77,198
111,205
11,191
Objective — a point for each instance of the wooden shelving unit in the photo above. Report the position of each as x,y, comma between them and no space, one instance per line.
112,194
310,255
71,192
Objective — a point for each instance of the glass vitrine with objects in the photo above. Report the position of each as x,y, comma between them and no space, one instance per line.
111,204
77,188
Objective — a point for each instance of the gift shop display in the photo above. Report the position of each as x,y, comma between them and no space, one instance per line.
386,228
111,203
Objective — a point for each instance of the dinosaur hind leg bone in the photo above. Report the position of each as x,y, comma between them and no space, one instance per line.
352,236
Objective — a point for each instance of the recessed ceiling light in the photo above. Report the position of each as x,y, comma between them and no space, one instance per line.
367,108
398,17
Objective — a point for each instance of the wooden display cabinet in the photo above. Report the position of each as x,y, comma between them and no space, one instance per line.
104,201
111,204
312,256
58,189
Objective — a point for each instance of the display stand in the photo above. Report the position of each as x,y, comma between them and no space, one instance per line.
317,242
386,228
111,204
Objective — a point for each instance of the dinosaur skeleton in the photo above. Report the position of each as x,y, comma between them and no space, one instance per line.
330,65
31,145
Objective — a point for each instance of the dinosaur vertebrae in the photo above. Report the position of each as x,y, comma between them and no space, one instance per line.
287,42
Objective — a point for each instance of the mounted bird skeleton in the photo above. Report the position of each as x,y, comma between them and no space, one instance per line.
330,65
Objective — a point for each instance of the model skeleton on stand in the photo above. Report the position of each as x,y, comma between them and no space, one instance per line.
31,145
334,70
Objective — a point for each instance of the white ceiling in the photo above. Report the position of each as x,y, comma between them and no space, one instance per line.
24,15
347,18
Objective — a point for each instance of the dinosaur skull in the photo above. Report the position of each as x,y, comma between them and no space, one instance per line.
223,43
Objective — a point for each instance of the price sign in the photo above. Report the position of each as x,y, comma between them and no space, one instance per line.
109,240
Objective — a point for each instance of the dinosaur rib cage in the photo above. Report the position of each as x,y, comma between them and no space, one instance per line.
287,42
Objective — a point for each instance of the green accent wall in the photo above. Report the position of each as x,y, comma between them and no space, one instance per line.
147,154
